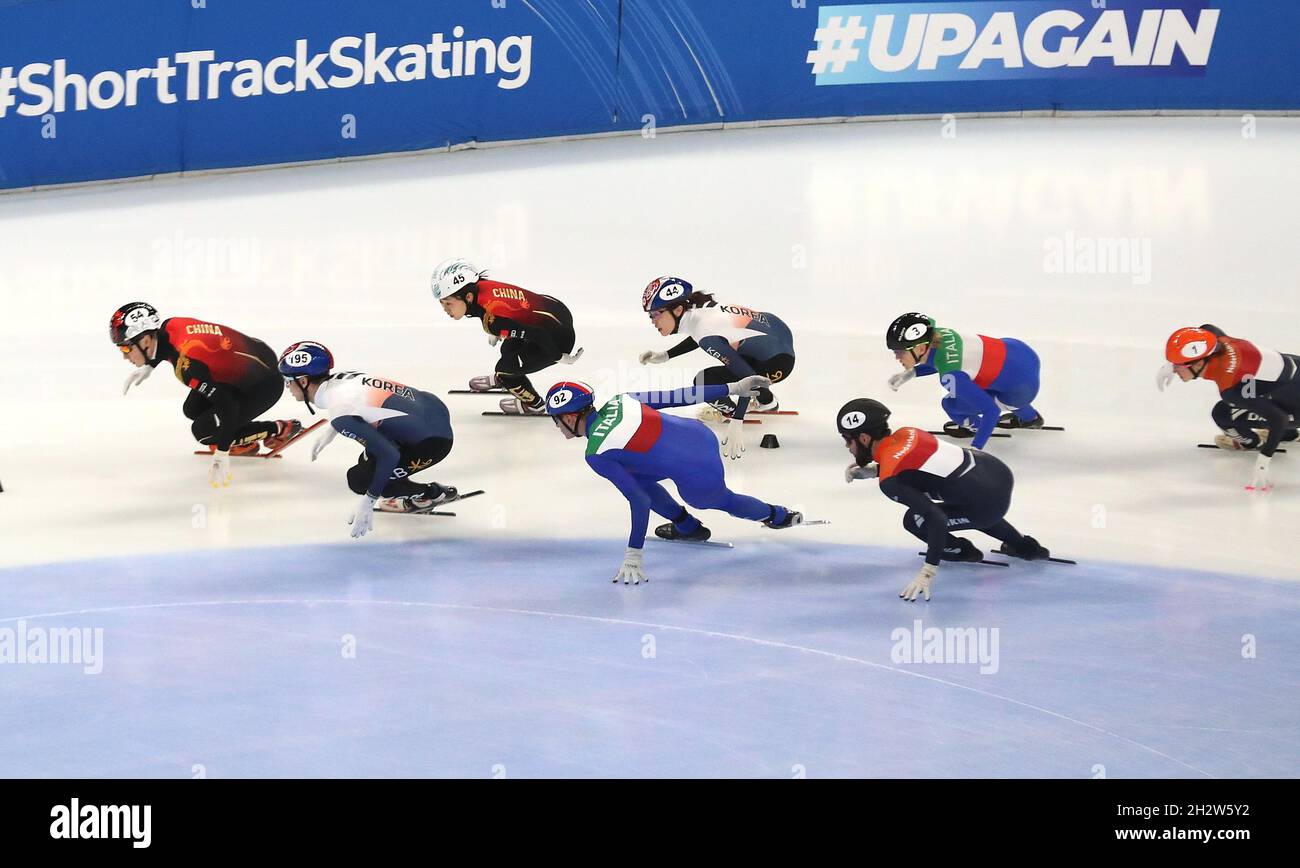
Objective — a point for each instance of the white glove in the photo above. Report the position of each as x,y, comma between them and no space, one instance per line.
322,441
733,441
492,340
1165,375
219,472
138,376
653,357
1259,482
363,517
570,359
921,584
630,573
853,471
748,387
897,380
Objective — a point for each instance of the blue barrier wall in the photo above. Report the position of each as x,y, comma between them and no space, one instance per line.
96,89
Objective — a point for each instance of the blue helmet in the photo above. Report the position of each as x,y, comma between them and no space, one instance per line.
664,292
306,359
569,397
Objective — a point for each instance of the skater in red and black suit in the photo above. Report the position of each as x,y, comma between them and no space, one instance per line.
232,379
1259,390
945,488
534,331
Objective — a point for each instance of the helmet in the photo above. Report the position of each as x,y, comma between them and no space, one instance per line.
1189,345
909,330
306,359
862,416
569,397
664,292
132,320
452,276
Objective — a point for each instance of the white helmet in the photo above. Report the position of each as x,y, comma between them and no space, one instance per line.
451,276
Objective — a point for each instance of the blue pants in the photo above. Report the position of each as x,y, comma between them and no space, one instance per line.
701,483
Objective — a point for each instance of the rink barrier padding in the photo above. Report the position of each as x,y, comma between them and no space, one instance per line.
93,90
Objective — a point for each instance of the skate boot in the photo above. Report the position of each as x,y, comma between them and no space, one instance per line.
757,406
1230,443
964,552
717,411
485,383
420,502
285,430
1029,550
669,531
515,407
781,518
245,449
958,430
1011,420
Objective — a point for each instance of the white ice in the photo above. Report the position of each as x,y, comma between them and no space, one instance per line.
835,228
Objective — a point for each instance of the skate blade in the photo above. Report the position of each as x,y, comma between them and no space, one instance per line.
477,392
956,437
516,415
695,542
1198,446
250,455
275,453
985,562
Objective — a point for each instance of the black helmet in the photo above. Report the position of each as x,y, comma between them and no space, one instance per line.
909,330
132,320
863,416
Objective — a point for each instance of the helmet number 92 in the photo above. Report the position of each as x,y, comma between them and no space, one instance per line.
560,398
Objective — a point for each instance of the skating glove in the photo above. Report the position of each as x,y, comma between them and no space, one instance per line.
1259,482
219,472
748,387
921,584
1164,376
568,359
630,573
653,357
854,471
138,376
733,441
897,380
363,517
322,441
492,340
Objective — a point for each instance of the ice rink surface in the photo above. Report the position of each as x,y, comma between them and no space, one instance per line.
244,632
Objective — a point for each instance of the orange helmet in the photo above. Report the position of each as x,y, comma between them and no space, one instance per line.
1189,345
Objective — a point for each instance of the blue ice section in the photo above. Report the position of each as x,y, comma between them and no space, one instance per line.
521,659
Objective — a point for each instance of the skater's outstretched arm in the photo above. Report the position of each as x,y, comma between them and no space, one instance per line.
681,349
637,499
384,451
718,347
746,388
936,522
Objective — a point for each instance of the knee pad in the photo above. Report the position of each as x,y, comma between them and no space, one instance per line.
204,429
359,477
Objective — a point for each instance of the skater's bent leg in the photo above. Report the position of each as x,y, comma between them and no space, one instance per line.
511,375
412,459
664,504
1235,422
914,523
1002,531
